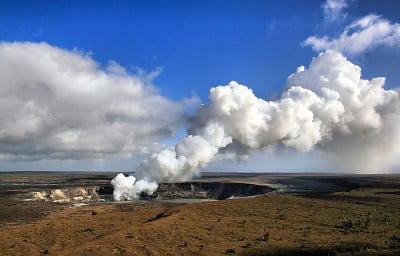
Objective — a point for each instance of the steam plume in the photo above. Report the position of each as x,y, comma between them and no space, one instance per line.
327,106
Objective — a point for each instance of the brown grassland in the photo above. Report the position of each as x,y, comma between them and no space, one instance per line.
363,221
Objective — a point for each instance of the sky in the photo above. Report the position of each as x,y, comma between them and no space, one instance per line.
175,51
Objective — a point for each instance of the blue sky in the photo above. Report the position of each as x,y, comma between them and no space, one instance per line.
195,44
198,44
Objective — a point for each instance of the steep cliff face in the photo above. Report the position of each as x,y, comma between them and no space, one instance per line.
206,190
67,195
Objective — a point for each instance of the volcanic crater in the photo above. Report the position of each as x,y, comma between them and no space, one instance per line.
165,191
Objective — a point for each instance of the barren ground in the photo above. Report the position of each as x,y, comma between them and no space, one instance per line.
360,218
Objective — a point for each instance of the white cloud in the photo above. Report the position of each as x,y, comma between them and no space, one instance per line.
361,35
333,10
59,104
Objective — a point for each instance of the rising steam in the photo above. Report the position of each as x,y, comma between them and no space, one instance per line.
327,106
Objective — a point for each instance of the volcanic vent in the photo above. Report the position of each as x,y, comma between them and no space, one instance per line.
197,190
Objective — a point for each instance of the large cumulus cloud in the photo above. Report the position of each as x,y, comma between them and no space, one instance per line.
61,104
